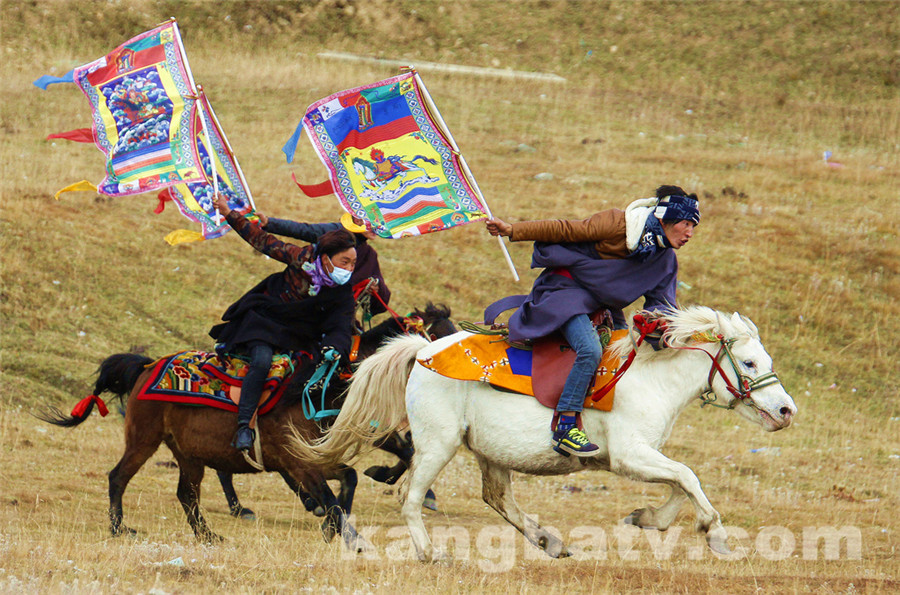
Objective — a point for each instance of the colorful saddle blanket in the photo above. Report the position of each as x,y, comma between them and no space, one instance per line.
540,372
199,378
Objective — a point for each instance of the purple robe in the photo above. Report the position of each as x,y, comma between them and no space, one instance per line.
596,283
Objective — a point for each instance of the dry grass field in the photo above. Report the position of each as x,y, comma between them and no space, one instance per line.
735,101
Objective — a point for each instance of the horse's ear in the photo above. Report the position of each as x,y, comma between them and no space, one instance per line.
720,322
747,322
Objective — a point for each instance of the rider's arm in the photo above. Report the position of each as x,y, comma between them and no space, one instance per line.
337,328
264,242
308,232
600,226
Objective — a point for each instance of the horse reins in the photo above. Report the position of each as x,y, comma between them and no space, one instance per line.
410,324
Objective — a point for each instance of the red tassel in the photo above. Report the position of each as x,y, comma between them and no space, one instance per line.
314,190
79,135
82,406
163,198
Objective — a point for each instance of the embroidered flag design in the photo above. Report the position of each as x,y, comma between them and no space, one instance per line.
143,104
390,158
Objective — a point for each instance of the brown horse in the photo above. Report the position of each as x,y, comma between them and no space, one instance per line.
200,437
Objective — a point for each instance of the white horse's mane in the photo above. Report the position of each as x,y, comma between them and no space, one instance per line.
689,325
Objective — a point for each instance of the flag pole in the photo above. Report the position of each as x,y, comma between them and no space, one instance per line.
432,108
199,93
210,150
237,166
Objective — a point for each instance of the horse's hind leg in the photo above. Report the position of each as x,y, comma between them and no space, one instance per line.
234,505
497,493
189,480
142,439
427,464
660,518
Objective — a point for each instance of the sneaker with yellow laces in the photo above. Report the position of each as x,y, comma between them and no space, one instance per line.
570,439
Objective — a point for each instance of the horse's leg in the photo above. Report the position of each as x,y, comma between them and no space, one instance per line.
336,521
399,447
189,479
234,505
143,435
660,518
647,464
309,502
402,448
440,447
348,479
496,490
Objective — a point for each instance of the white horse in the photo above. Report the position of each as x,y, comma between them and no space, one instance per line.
709,355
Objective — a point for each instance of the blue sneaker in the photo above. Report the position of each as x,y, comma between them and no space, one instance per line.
574,441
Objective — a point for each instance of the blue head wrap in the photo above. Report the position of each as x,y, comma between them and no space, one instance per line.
678,208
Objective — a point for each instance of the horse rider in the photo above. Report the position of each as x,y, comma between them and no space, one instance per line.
307,304
606,261
367,266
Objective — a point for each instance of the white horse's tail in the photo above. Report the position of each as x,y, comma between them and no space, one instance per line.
375,405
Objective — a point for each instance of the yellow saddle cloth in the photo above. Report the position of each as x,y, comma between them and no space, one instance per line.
491,359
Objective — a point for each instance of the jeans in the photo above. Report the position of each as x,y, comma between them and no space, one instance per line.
582,337
252,386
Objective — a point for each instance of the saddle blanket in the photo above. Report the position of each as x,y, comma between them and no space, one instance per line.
199,378
540,372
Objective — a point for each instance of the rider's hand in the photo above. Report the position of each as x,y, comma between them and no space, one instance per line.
221,203
498,227
330,354
372,288
263,218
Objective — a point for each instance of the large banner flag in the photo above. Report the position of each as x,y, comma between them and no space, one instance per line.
143,103
157,131
391,160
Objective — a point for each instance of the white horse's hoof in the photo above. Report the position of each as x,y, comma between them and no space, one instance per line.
719,544
635,519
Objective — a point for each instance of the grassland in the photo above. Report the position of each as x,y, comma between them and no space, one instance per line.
736,101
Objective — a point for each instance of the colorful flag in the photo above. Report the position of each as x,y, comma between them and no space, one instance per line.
391,159
143,104
194,199
158,131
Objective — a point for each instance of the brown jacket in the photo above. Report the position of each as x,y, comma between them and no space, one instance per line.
606,229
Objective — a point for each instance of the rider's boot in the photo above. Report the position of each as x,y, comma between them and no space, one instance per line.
568,438
250,393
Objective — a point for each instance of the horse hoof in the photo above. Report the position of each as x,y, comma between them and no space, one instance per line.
719,545
210,538
328,530
377,472
123,530
382,474
246,515
635,519
318,511
430,503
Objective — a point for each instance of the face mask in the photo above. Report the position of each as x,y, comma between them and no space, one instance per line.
339,275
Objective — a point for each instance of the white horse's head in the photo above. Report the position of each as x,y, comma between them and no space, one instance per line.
361,169
743,378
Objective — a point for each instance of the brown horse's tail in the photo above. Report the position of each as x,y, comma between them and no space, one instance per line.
375,406
117,374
